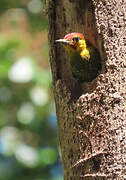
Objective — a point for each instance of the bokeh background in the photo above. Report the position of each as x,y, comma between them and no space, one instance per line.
29,147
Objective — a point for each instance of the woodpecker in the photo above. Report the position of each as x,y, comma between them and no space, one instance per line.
85,60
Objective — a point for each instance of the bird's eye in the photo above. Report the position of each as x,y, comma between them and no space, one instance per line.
76,39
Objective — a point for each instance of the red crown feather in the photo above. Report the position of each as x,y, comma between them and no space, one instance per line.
71,35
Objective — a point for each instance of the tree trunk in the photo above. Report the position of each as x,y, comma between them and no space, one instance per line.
91,116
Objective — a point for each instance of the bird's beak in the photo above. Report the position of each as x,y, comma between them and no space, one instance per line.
64,41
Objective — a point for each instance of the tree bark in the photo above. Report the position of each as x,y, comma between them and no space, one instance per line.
91,116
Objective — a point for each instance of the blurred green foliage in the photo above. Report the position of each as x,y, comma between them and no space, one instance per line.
28,129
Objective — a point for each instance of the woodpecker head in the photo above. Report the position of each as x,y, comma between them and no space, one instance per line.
75,42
